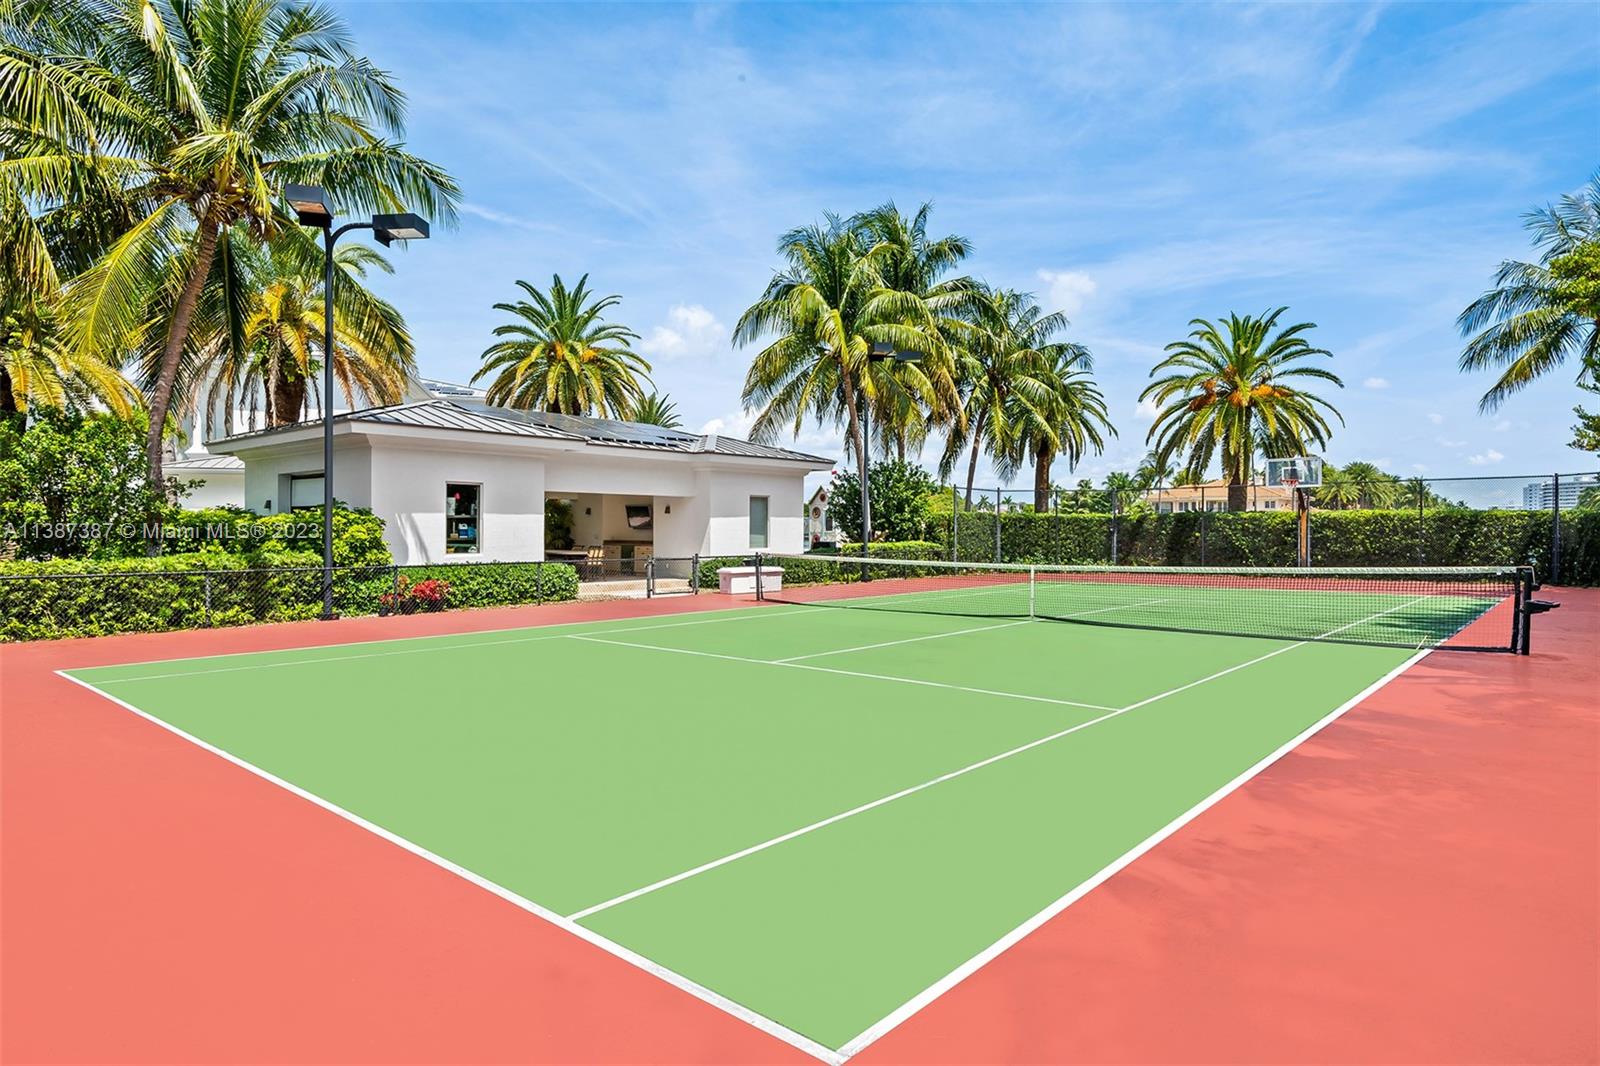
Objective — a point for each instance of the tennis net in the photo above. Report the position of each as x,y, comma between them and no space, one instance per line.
1458,607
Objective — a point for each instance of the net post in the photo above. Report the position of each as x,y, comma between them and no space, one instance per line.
760,594
1519,620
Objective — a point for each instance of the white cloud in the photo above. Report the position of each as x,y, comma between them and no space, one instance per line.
500,218
1436,419
1502,425
690,331
734,425
1488,456
1446,442
1067,290
1376,383
1146,410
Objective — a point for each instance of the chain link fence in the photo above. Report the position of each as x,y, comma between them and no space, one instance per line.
1549,521
58,602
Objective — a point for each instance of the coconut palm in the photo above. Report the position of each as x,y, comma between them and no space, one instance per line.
1373,488
1235,389
1070,423
1540,314
197,113
562,355
657,410
1007,382
280,291
913,285
821,314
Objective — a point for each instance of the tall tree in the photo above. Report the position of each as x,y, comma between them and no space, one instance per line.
280,291
198,112
820,315
562,355
1006,379
914,286
1154,469
1236,389
1540,314
1069,424
658,410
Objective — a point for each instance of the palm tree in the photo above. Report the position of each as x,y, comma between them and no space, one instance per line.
1071,422
283,332
1373,488
823,312
1007,382
912,269
37,370
1539,314
1235,389
196,114
657,410
563,356
1154,469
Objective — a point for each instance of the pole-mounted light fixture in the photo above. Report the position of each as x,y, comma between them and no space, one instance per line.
877,352
311,208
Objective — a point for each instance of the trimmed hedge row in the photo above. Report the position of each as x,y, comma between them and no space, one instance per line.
78,597
1435,537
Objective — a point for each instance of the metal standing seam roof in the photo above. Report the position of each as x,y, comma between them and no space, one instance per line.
208,462
478,417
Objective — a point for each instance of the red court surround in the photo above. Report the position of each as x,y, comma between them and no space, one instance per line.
1415,883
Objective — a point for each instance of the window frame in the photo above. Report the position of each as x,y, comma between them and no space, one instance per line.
766,521
477,516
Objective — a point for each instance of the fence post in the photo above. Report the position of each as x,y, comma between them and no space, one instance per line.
1205,525
694,573
956,522
1114,516
208,601
1555,529
997,556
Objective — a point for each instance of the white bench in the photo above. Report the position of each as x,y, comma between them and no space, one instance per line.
741,580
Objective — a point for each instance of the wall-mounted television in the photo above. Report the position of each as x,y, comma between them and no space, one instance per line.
638,516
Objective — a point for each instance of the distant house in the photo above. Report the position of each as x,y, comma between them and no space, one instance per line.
819,524
1213,496
457,479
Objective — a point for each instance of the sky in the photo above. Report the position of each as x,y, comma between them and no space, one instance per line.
1135,166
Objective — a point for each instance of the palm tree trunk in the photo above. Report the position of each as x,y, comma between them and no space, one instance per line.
8,399
177,334
288,398
1041,478
858,440
972,464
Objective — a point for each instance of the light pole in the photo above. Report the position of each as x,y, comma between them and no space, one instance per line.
877,353
311,208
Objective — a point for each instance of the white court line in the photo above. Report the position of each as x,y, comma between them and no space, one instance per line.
846,673
964,632
730,614
761,1022
916,1003
677,980
907,640
912,790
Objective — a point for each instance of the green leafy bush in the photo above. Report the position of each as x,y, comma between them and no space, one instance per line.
900,501
357,533
79,597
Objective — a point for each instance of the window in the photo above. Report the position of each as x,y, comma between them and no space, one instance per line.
305,490
758,521
461,506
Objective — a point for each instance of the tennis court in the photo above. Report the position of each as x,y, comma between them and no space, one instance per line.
817,817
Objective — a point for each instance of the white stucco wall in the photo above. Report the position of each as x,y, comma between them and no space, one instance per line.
401,477
216,488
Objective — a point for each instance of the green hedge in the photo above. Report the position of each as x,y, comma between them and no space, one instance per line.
1435,537
80,598
357,533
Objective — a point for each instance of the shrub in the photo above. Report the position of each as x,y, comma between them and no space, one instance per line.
900,501
79,597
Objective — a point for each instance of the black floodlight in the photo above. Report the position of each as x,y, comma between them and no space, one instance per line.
404,227
880,351
310,205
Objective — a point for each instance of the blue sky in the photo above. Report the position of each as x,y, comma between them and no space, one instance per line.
1135,166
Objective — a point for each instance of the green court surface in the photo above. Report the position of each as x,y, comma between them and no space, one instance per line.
821,816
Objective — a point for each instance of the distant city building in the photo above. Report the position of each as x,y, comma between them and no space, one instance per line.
1542,495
